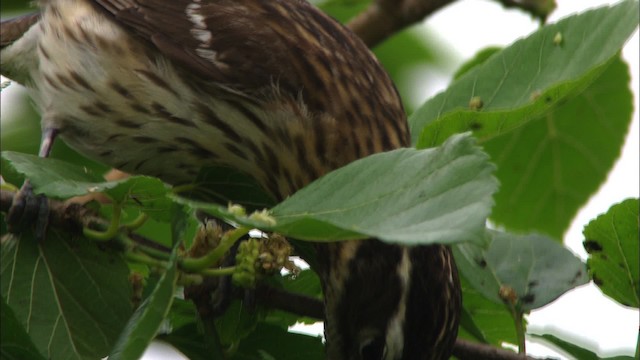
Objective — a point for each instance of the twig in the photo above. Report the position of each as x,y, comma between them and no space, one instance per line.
384,18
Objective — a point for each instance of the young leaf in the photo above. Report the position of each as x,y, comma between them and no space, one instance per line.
45,282
537,268
527,78
612,244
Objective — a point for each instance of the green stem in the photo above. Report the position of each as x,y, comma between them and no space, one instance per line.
228,239
144,259
520,330
139,221
218,272
182,188
9,187
134,246
111,231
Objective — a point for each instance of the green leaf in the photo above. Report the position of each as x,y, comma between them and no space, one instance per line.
305,283
16,5
478,59
575,350
145,322
62,180
569,152
224,184
342,10
59,179
72,297
484,320
528,78
273,342
612,244
146,191
407,196
190,341
52,177
237,322
537,268
15,343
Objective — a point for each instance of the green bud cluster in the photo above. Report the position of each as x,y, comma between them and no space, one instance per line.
246,273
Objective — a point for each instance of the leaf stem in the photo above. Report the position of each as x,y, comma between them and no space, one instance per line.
8,187
111,231
520,331
183,188
218,272
510,298
134,246
139,221
144,259
201,263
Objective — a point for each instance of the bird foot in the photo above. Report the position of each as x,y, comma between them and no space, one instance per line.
28,210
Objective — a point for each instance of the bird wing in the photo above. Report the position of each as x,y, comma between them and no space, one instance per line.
252,45
244,44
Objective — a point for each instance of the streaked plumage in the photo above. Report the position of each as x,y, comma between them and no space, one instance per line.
273,88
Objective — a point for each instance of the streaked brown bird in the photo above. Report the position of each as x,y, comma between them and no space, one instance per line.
273,88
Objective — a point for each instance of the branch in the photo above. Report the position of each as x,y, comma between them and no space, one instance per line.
69,216
384,18
310,307
297,304
464,349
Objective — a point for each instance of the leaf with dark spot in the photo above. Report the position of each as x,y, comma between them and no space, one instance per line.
613,259
536,267
591,246
528,298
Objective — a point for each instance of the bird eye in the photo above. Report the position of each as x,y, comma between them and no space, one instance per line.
372,348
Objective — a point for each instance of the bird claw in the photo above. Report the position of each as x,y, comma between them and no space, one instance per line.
28,209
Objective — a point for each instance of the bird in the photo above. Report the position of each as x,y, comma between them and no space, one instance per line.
275,89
